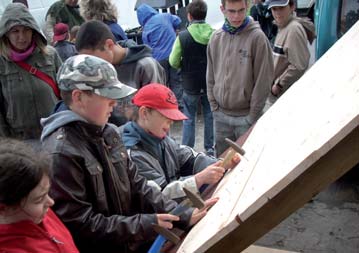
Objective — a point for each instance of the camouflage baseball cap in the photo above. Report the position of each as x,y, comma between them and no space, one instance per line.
87,72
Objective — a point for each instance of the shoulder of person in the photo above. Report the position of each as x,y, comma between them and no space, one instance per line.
295,24
51,49
52,52
217,34
56,7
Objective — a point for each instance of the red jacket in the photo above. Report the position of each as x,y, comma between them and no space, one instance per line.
25,236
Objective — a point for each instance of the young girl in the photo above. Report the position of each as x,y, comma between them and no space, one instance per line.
27,224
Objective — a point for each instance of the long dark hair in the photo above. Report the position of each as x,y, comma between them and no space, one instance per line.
21,170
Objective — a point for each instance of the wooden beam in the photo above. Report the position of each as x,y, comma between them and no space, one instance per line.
325,171
305,141
260,249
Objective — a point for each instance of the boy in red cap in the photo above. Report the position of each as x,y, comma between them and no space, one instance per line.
63,47
166,165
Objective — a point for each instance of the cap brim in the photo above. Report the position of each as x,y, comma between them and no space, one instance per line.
117,91
278,4
59,37
173,114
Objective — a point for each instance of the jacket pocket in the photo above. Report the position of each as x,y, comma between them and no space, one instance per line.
12,89
96,170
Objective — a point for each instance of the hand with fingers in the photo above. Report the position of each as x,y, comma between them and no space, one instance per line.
236,158
165,220
210,175
198,214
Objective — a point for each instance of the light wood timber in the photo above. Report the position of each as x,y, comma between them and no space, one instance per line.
305,141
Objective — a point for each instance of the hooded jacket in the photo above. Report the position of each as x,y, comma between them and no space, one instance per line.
189,54
25,236
159,30
139,68
98,194
200,32
116,30
167,165
65,49
291,54
24,98
239,71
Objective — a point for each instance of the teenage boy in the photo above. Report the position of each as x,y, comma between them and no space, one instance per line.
239,73
134,63
99,195
167,165
189,54
291,53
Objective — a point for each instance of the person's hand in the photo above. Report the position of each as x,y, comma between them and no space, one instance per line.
234,161
165,220
210,175
198,214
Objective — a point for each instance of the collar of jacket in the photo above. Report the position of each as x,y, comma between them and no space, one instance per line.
289,20
90,130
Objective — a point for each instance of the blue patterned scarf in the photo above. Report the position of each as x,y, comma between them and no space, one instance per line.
233,30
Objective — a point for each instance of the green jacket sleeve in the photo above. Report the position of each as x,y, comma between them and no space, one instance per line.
176,54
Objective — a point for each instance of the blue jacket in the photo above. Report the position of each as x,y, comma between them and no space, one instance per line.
158,30
116,30
65,49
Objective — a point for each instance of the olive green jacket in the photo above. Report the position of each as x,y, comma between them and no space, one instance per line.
24,98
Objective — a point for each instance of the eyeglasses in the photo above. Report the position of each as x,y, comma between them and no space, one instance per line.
232,12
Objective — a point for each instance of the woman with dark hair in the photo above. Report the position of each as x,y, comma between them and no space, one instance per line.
26,220
28,67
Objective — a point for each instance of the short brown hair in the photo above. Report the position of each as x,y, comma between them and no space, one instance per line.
93,35
197,9
66,96
233,1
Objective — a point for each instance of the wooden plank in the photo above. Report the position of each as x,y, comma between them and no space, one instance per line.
305,141
260,249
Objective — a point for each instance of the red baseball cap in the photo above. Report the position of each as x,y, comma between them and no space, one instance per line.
60,32
159,97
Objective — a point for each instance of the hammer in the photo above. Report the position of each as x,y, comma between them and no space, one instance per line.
165,234
233,149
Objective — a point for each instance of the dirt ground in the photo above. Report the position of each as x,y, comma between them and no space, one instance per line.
328,223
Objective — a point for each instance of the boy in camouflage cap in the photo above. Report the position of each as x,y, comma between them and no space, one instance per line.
86,72
99,195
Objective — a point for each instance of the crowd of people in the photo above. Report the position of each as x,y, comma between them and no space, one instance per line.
86,160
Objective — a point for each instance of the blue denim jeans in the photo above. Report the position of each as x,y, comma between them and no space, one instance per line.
190,106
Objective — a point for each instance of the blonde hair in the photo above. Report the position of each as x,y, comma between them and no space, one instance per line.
5,47
98,10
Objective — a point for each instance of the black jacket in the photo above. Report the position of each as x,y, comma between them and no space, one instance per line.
99,196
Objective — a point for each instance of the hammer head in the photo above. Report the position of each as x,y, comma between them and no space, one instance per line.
194,198
235,146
